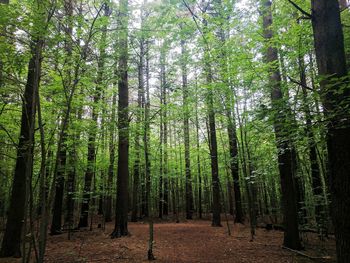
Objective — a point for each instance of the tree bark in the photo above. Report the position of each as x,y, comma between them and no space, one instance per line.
216,206
316,178
200,208
121,220
108,204
146,136
140,98
24,162
286,154
56,223
231,131
189,195
91,153
335,95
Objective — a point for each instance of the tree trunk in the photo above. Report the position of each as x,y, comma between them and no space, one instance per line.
316,179
108,204
216,206
24,161
91,153
189,195
140,98
231,131
71,171
286,154
121,220
56,223
146,136
335,95
200,209
163,179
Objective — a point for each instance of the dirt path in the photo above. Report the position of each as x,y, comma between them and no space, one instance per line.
194,241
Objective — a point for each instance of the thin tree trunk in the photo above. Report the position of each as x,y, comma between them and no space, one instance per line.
231,131
91,153
189,195
316,179
108,204
140,98
146,136
246,170
200,209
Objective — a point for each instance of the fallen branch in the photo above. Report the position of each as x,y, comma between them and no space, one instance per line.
305,255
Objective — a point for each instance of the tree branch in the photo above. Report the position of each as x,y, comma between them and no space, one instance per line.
307,15
343,9
299,83
195,17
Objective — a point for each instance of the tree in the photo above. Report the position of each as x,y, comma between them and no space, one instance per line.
189,195
121,219
139,111
91,153
286,153
335,95
24,161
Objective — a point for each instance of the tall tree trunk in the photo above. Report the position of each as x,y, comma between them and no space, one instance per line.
335,95
71,176
216,206
91,153
286,154
246,171
189,195
71,171
163,179
231,131
299,184
316,178
140,98
24,161
121,220
146,137
56,223
165,138
161,158
108,204
200,209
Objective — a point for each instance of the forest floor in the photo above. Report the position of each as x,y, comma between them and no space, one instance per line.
190,241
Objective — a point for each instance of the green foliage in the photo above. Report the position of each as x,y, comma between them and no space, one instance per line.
227,38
